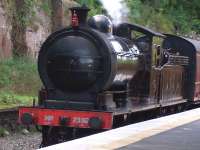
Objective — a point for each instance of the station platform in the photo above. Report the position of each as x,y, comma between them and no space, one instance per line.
175,132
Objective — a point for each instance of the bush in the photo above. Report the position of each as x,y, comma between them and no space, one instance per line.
19,81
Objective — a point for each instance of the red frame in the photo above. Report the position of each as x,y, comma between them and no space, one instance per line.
78,119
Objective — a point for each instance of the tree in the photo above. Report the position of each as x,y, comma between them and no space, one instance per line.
181,16
94,5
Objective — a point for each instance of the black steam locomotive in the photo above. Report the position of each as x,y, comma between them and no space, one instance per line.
97,74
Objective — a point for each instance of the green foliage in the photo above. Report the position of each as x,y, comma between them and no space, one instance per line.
26,12
196,25
3,132
95,6
24,16
180,16
19,75
10,99
19,81
45,6
145,15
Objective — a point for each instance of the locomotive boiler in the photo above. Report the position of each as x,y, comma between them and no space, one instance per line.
78,63
97,76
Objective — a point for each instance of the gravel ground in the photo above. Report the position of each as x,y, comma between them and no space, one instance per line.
19,141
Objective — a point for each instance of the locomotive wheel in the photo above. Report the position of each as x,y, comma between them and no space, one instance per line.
163,111
172,109
55,135
179,108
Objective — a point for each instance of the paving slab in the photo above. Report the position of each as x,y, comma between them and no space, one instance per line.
186,137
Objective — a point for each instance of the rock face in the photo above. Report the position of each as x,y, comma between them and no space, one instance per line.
5,37
39,31
36,33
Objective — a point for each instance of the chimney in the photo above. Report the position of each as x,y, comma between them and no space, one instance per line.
81,12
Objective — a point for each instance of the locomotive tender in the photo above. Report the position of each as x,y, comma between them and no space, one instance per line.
94,72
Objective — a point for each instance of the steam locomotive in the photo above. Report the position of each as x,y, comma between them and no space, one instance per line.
97,74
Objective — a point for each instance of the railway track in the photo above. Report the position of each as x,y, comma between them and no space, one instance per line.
14,109
8,118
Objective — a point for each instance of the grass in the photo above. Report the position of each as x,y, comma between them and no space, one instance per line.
19,82
10,99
